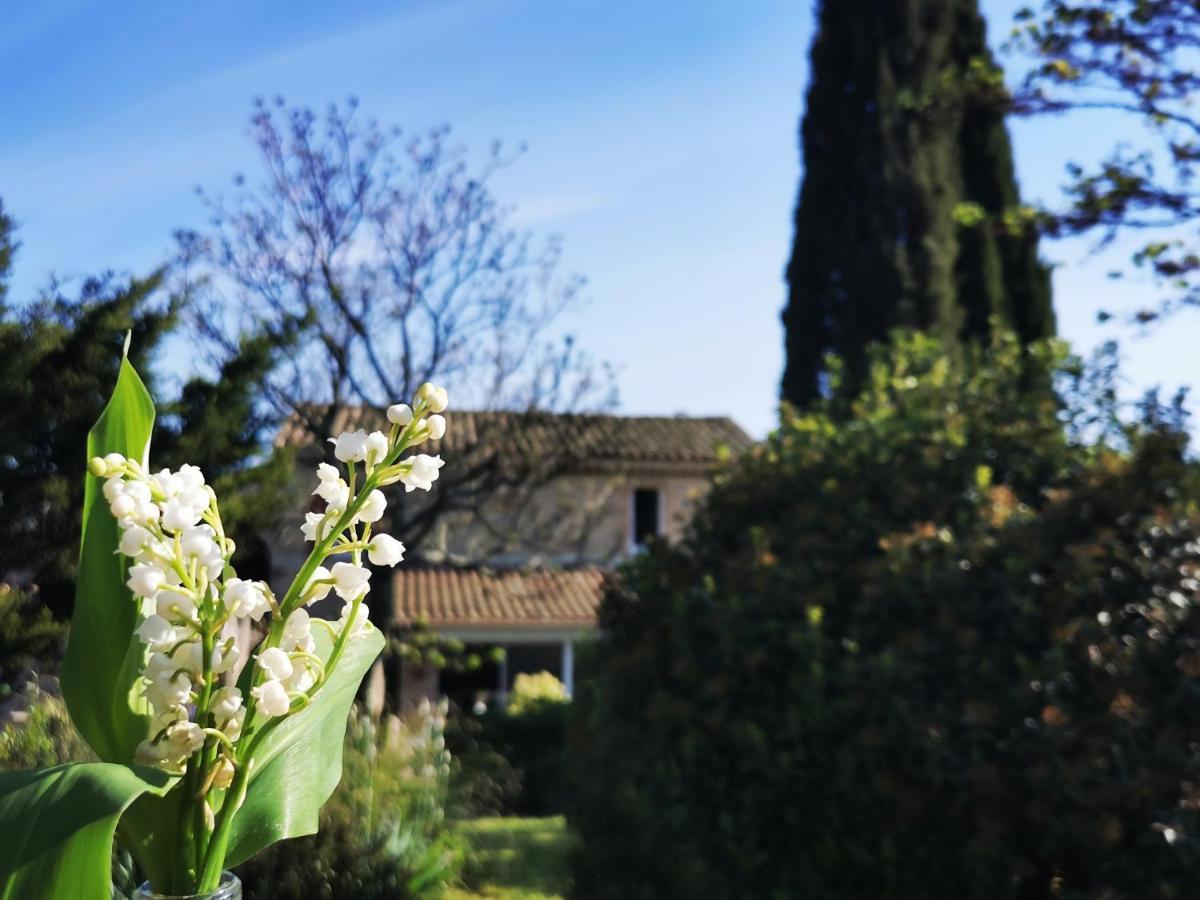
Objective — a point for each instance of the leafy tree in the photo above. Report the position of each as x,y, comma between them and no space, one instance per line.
393,263
941,647
901,219
58,360
8,249
1137,58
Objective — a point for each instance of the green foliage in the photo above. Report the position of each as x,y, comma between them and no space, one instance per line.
896,151
46,737
68,817
59,357
29,635
1132,58
104,657
532,740
299,764
8,249
384,832
941,646
519,859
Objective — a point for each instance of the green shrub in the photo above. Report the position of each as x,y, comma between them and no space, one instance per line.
43,737
384,834
938,639
29,636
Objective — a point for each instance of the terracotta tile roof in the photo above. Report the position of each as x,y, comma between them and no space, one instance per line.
481,597
587,437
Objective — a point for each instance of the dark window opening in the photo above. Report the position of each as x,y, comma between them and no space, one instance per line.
645,516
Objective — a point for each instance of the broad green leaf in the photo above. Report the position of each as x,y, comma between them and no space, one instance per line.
58,828
100,671
300,762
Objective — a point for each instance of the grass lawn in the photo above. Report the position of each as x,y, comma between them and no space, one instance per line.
515,859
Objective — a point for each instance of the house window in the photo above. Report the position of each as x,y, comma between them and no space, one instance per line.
647,516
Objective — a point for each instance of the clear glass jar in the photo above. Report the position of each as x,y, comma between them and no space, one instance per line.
230,888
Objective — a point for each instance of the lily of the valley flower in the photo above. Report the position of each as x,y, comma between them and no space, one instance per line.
350,581
196,606
422,472
350,446
385,550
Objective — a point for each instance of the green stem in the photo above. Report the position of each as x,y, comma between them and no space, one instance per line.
218,845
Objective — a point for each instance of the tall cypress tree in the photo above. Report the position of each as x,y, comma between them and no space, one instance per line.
899,156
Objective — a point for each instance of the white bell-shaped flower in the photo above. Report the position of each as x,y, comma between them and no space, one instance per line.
373,507
350,446
157,632
167,689
225,703
350,581
184,738
437,427
335,492
113,488
178,516
385,550
275,663
316,527
271,699
232,727
175,606
145,580
315,590
422,472
199,541
246,599
376,446
133,540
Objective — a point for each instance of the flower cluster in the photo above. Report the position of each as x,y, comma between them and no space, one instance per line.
194,607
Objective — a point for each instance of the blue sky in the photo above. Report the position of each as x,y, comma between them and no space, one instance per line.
662,147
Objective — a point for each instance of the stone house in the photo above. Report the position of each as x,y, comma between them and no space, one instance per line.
522,569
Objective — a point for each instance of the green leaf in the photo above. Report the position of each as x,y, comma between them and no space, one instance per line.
300,762
58,828
100,671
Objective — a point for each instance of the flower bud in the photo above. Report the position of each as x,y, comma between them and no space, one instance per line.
123,506
437,427
223,776
400,414
436,398
97,466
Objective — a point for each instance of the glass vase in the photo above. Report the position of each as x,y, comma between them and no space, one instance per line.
230,888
